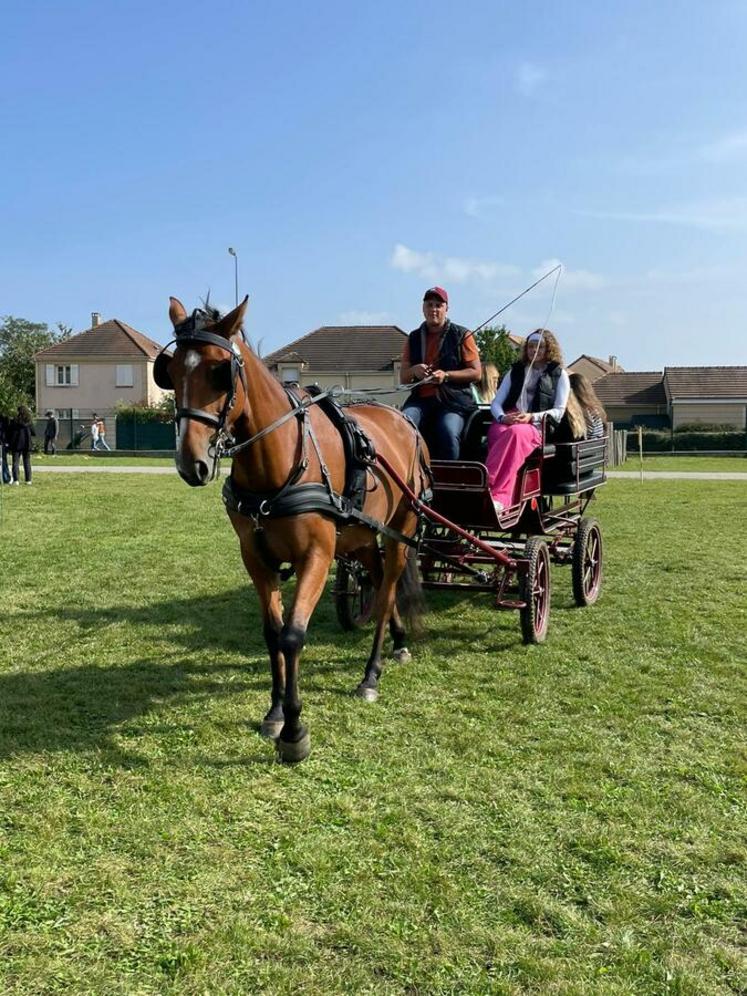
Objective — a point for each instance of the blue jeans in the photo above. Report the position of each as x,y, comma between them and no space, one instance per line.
441,429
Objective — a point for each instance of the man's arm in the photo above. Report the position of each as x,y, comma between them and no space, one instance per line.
410,374
469,372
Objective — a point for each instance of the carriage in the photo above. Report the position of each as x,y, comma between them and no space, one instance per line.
311,483
466,545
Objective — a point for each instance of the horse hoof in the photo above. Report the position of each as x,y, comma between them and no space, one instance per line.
367,693
270,728
403,655
292,753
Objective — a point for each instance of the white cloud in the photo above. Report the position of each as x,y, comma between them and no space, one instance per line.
453,269
529,78
718,215
365,318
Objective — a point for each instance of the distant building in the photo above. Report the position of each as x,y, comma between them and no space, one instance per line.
594,368
679,396
634,399
94,370
354,356
708,395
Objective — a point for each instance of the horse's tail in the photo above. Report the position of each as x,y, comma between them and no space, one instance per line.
410,600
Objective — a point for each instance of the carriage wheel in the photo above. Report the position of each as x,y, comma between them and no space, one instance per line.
354,595
587,562
534,589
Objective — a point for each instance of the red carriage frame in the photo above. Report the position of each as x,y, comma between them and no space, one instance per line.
466,545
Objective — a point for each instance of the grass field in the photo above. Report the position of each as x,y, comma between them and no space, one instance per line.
653,462
569,818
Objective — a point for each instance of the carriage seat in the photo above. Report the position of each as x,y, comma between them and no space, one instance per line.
577,466
475,437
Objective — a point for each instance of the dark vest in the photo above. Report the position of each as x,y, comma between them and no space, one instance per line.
544,395
454,398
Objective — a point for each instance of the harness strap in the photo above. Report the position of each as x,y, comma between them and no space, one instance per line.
301,499
298,409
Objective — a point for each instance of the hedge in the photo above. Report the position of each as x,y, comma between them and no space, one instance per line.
661,442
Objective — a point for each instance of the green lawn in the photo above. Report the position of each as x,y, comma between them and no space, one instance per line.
567,818
83,458
704,464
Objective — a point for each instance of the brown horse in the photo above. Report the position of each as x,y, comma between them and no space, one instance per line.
286,450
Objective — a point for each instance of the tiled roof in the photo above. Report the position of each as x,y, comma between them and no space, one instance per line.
344,347
109,339
706,382
583,362
631,389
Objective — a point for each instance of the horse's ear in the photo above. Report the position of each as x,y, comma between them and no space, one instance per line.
233,321
177,311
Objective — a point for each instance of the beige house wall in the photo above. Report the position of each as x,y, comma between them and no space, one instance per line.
710,413
359,380
96,389
624,413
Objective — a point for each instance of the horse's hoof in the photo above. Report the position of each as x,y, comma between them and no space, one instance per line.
292,753
270,728
403,655
367,693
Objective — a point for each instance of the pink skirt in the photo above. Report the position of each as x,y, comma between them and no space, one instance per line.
508,448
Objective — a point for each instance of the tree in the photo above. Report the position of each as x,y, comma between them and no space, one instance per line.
19,340
496,347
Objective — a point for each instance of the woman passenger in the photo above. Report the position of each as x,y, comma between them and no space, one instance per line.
595,416
534,389
484,390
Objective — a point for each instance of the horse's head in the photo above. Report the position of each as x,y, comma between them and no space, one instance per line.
206,373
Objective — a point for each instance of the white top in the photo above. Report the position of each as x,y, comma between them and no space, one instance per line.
531,379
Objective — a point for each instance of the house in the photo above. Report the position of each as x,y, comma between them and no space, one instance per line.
634,399
593,368
707,395
96,369
679,396
354,356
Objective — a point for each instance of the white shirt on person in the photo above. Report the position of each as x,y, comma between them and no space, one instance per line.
531,379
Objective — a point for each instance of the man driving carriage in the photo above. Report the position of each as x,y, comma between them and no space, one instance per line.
445,356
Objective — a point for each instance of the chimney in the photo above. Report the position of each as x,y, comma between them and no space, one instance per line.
613,363
95,319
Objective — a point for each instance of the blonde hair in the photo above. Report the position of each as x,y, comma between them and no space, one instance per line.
553,353
582,389
575,415
487,385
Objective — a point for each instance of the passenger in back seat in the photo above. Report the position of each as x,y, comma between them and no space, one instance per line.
534,390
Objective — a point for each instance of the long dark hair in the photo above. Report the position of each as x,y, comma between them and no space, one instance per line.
24,415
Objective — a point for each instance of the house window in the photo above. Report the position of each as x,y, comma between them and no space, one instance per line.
290,375
62,375
125,376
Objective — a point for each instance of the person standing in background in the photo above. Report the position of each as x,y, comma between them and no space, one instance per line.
51,431
21,431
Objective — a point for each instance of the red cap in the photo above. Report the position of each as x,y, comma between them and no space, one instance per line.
438,292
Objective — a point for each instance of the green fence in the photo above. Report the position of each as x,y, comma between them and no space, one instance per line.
135,434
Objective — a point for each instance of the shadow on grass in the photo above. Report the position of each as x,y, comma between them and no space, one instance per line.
82,708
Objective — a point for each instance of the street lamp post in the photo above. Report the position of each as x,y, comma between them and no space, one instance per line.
235,274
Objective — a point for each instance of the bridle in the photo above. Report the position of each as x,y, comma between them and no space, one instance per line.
223,443
190,332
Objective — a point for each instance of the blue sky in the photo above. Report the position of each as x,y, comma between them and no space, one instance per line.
355,154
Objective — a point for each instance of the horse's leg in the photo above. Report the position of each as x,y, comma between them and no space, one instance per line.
272,626
267,586
394,563
294,743
398,634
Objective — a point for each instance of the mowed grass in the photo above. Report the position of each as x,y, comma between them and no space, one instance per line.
567,818
686,464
